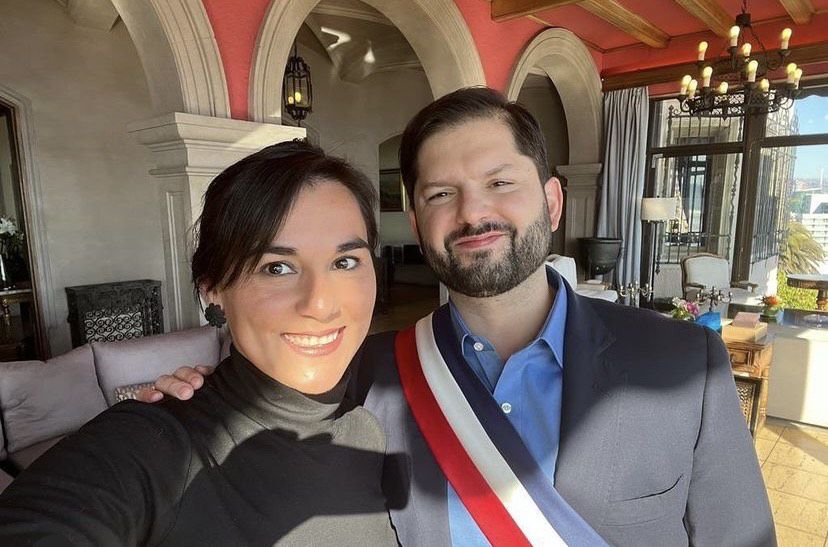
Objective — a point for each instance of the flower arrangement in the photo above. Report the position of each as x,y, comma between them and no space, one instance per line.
684,309
773,304
10,236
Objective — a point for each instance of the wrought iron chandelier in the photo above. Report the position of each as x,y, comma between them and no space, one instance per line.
739,93
297,88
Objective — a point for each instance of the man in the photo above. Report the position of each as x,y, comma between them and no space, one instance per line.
608,421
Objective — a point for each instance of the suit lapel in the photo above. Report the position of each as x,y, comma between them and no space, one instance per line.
592,387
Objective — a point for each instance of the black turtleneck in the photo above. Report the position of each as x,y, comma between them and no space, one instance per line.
247,461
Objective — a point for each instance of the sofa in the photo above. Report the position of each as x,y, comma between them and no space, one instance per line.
565,265
41,402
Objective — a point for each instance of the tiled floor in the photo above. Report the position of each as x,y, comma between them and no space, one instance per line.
794,460
793,456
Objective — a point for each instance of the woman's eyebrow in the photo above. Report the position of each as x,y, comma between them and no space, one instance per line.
356,243
353,244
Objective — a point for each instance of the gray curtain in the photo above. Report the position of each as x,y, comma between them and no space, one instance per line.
622,180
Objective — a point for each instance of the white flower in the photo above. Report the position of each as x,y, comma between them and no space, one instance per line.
7,226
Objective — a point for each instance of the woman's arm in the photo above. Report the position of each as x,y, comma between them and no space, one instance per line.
117,481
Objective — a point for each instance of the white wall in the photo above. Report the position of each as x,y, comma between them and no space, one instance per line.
100,205
353,119
542,100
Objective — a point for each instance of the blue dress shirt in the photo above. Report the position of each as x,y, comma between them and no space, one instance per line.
528,388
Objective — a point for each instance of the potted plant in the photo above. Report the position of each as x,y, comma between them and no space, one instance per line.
771,306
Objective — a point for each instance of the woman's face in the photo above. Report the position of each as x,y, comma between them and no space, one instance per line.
304,311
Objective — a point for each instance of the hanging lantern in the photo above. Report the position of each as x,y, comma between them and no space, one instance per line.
297,89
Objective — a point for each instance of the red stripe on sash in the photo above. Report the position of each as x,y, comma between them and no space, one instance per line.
482,503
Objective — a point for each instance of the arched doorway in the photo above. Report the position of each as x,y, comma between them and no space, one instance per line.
435,29
565,60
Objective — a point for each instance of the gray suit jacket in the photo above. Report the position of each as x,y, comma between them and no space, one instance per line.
654,449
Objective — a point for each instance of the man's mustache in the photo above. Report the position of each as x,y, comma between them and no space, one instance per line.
469,230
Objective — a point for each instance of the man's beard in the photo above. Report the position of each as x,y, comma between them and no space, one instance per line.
484,276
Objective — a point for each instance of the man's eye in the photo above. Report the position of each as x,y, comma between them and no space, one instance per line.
501,183
346,263
438,195
278,269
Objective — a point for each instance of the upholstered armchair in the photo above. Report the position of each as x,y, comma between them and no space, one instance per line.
708,271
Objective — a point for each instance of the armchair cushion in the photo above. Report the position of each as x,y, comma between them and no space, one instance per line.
41,401
145,359
707,271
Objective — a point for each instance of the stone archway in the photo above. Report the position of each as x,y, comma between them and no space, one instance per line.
178,51
435,29
566,61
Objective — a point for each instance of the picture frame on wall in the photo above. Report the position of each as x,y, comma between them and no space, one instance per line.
391,190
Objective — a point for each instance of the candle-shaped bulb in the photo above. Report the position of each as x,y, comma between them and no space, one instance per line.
691,88
684,83
723,88
706,74
790,70
785,38
297,96
797,77
734,35
702,50
753,66
746,47
764,85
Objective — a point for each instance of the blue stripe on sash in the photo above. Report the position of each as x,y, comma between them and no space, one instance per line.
573,529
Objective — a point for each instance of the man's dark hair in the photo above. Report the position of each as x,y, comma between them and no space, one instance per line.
463,105
247,204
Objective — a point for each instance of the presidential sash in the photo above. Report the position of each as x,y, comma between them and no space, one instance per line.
477,448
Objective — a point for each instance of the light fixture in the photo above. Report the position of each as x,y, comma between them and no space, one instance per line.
739,93
657,211
297,88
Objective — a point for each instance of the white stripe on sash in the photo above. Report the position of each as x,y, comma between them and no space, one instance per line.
480,448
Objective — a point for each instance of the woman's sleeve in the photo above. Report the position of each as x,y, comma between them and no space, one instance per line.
117,481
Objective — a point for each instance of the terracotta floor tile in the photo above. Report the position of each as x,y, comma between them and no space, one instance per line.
799,513
792,480
790,537
763,449
772,429
807,455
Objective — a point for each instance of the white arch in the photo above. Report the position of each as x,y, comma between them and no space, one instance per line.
30,189
178,51
567,62
435,29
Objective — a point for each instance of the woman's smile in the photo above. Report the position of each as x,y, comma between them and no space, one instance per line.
314,344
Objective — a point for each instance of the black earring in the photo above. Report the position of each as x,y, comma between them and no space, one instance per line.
215,316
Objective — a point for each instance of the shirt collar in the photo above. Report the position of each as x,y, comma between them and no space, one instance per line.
552,332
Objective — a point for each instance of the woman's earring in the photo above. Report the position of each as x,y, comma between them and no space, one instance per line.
215,316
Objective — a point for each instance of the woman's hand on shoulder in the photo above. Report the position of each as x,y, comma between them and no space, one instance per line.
181,384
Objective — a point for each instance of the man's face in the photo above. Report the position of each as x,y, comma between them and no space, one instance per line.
483,219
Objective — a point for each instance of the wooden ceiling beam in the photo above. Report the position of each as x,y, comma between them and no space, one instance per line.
625,20
503,10
710,13
800,11
801,55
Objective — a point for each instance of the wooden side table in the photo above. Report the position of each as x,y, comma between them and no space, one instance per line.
751,363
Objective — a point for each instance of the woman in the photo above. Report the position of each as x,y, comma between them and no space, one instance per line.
270,451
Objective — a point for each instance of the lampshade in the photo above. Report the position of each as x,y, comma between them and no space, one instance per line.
658,209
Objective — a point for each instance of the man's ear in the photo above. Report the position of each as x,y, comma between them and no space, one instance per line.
554,200
412,222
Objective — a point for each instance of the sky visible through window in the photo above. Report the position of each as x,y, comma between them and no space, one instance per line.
811,161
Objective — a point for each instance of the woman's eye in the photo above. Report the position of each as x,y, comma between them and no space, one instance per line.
500,183
346,263
278,269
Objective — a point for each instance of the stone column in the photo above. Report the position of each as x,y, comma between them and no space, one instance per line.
581,203
189,151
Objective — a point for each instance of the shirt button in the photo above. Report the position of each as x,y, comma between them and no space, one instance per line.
506,407
478,346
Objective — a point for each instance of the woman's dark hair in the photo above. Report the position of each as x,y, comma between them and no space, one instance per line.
461,106
247,204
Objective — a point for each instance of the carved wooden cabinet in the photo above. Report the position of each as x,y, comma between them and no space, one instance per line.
751,363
